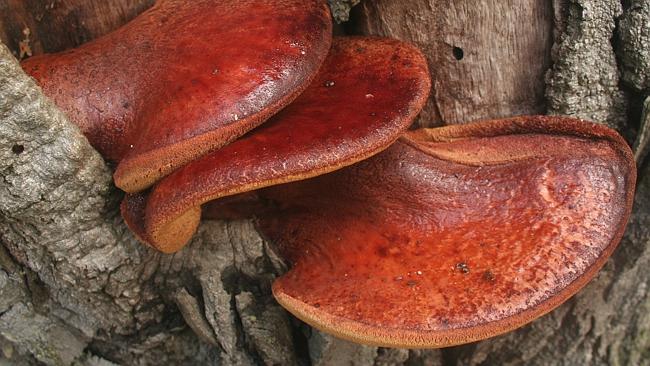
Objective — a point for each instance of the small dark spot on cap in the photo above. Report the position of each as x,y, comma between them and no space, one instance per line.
412,283
463,267
382,251
458,53
488,276
316,305
194,81
18,149
126,104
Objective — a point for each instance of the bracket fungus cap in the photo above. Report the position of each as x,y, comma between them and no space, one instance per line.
454,234
366,94
184,78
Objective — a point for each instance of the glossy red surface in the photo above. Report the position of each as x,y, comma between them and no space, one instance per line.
455,234
367,93
185,77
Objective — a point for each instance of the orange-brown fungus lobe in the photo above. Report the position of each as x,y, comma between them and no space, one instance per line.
185,77
366,94
455,234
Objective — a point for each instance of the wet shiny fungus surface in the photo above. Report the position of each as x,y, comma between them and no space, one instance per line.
367,93
184,78
410,248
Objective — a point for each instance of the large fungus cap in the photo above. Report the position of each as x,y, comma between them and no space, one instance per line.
453,235
367,93
185,77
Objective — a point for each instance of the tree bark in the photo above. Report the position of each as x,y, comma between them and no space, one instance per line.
77,288
487,58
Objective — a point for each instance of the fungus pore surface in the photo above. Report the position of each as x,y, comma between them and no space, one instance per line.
185,77
366,94
455,234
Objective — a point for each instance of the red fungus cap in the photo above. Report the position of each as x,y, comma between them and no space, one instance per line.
455,234
185,77
367,93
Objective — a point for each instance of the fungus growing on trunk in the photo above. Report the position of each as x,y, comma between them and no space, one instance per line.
184,78
454,234
366,94
451,235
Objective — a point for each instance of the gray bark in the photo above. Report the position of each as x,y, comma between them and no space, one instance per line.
76,283
634,45
77,288
341,9
584,79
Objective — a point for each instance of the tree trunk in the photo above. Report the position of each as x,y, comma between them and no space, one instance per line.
77,288
487,58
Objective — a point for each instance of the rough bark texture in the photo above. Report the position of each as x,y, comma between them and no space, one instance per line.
584,79
634,45
341,9
642,143
75,286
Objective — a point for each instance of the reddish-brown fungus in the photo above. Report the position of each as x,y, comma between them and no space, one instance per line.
367,93
454,234
185,77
